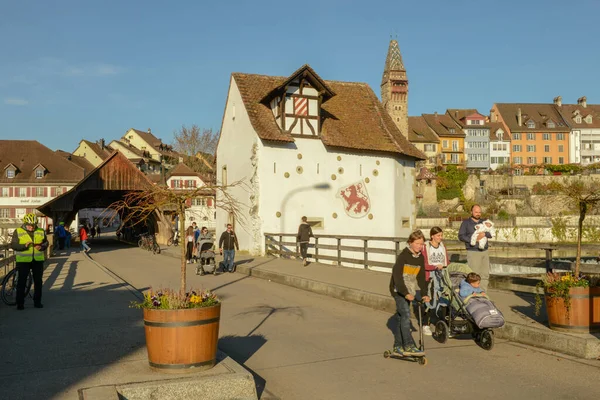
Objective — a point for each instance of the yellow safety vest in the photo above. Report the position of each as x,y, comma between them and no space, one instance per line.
31,253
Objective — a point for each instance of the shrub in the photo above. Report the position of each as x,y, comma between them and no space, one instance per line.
503,215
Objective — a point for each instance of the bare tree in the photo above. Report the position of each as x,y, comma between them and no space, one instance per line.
199,145
583,197
137,207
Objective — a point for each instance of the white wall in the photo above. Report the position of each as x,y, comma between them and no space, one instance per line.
136,141
83,150
234,151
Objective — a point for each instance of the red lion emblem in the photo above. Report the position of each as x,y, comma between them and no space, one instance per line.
356,200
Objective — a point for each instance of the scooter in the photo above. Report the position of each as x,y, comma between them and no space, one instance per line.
421,359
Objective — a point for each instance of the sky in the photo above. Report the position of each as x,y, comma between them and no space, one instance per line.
71,70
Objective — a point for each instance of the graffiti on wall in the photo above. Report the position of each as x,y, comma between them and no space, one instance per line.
355,199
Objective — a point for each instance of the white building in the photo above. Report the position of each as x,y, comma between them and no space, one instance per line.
201,209
499,146
303,146
584,121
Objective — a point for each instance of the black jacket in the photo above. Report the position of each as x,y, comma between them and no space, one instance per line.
304,233
467,228
228,240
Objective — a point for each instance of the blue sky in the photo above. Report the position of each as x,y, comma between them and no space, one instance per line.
80,69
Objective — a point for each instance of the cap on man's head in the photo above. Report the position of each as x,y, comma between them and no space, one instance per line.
61,223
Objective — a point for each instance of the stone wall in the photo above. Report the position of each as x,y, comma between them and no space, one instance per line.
497,182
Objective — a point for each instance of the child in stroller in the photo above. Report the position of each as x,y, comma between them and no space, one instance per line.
474,314
205,249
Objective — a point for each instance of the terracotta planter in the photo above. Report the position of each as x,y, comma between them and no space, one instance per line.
585,311
182,340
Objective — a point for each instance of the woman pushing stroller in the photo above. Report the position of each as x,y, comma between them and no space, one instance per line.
407,284
435,258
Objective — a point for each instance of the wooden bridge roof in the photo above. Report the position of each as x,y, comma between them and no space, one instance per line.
103,186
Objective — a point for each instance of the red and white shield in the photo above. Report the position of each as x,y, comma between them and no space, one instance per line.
355,199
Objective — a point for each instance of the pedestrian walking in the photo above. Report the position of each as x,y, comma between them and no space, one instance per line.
303,238
196,236
228,243
189,240
29,243
68,238
98,230
83,236
60,236
435,259
406,285
478,258
93,231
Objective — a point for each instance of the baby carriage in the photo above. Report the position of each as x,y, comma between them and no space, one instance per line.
475,315
206,255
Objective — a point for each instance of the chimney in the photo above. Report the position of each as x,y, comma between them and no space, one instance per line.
149,130
582,101
493,116
102,143
455,113
519,117
435,114
558,101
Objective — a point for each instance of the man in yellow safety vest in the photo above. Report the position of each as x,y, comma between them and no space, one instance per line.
29,243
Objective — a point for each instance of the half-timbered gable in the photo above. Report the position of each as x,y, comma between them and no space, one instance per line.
296,104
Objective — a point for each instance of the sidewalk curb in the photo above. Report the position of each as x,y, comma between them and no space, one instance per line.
542,338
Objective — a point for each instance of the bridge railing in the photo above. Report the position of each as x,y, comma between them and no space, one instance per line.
366,251
379,252
7,260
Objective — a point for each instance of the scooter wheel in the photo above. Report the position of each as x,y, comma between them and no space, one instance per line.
422,361
387,354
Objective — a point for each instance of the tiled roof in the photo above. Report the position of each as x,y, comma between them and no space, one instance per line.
148,137
77,160
458,114
26,154
353,119
420,132
540,114
182,170
441,125
425,173
393,61
494,126
568,112
96,148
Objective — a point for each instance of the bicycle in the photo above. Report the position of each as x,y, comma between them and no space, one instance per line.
9,287
174,240
148,242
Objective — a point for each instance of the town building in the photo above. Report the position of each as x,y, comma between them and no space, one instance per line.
499,146
31,175
201,209
424,139
95,153
394,88
584,121
477,137
538,132
452,138
304,146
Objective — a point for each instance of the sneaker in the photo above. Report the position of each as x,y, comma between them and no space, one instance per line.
398,349
305,262
427,331
413,351
187,262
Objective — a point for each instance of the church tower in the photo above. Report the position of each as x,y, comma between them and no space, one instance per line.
394,88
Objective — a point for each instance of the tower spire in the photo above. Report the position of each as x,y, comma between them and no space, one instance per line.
394,87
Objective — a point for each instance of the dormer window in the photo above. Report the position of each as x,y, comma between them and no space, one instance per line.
296,103
588,119
451,130
530,124
578,119
10,171
550,124
40,171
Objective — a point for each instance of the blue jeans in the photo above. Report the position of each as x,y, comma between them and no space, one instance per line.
228,256
402,335
84,245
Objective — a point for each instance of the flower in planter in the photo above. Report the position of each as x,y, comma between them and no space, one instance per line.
166,299
558,285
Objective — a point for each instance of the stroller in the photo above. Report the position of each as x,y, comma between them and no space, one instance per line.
206,255
477,316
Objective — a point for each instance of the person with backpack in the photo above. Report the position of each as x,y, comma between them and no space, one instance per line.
61,234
